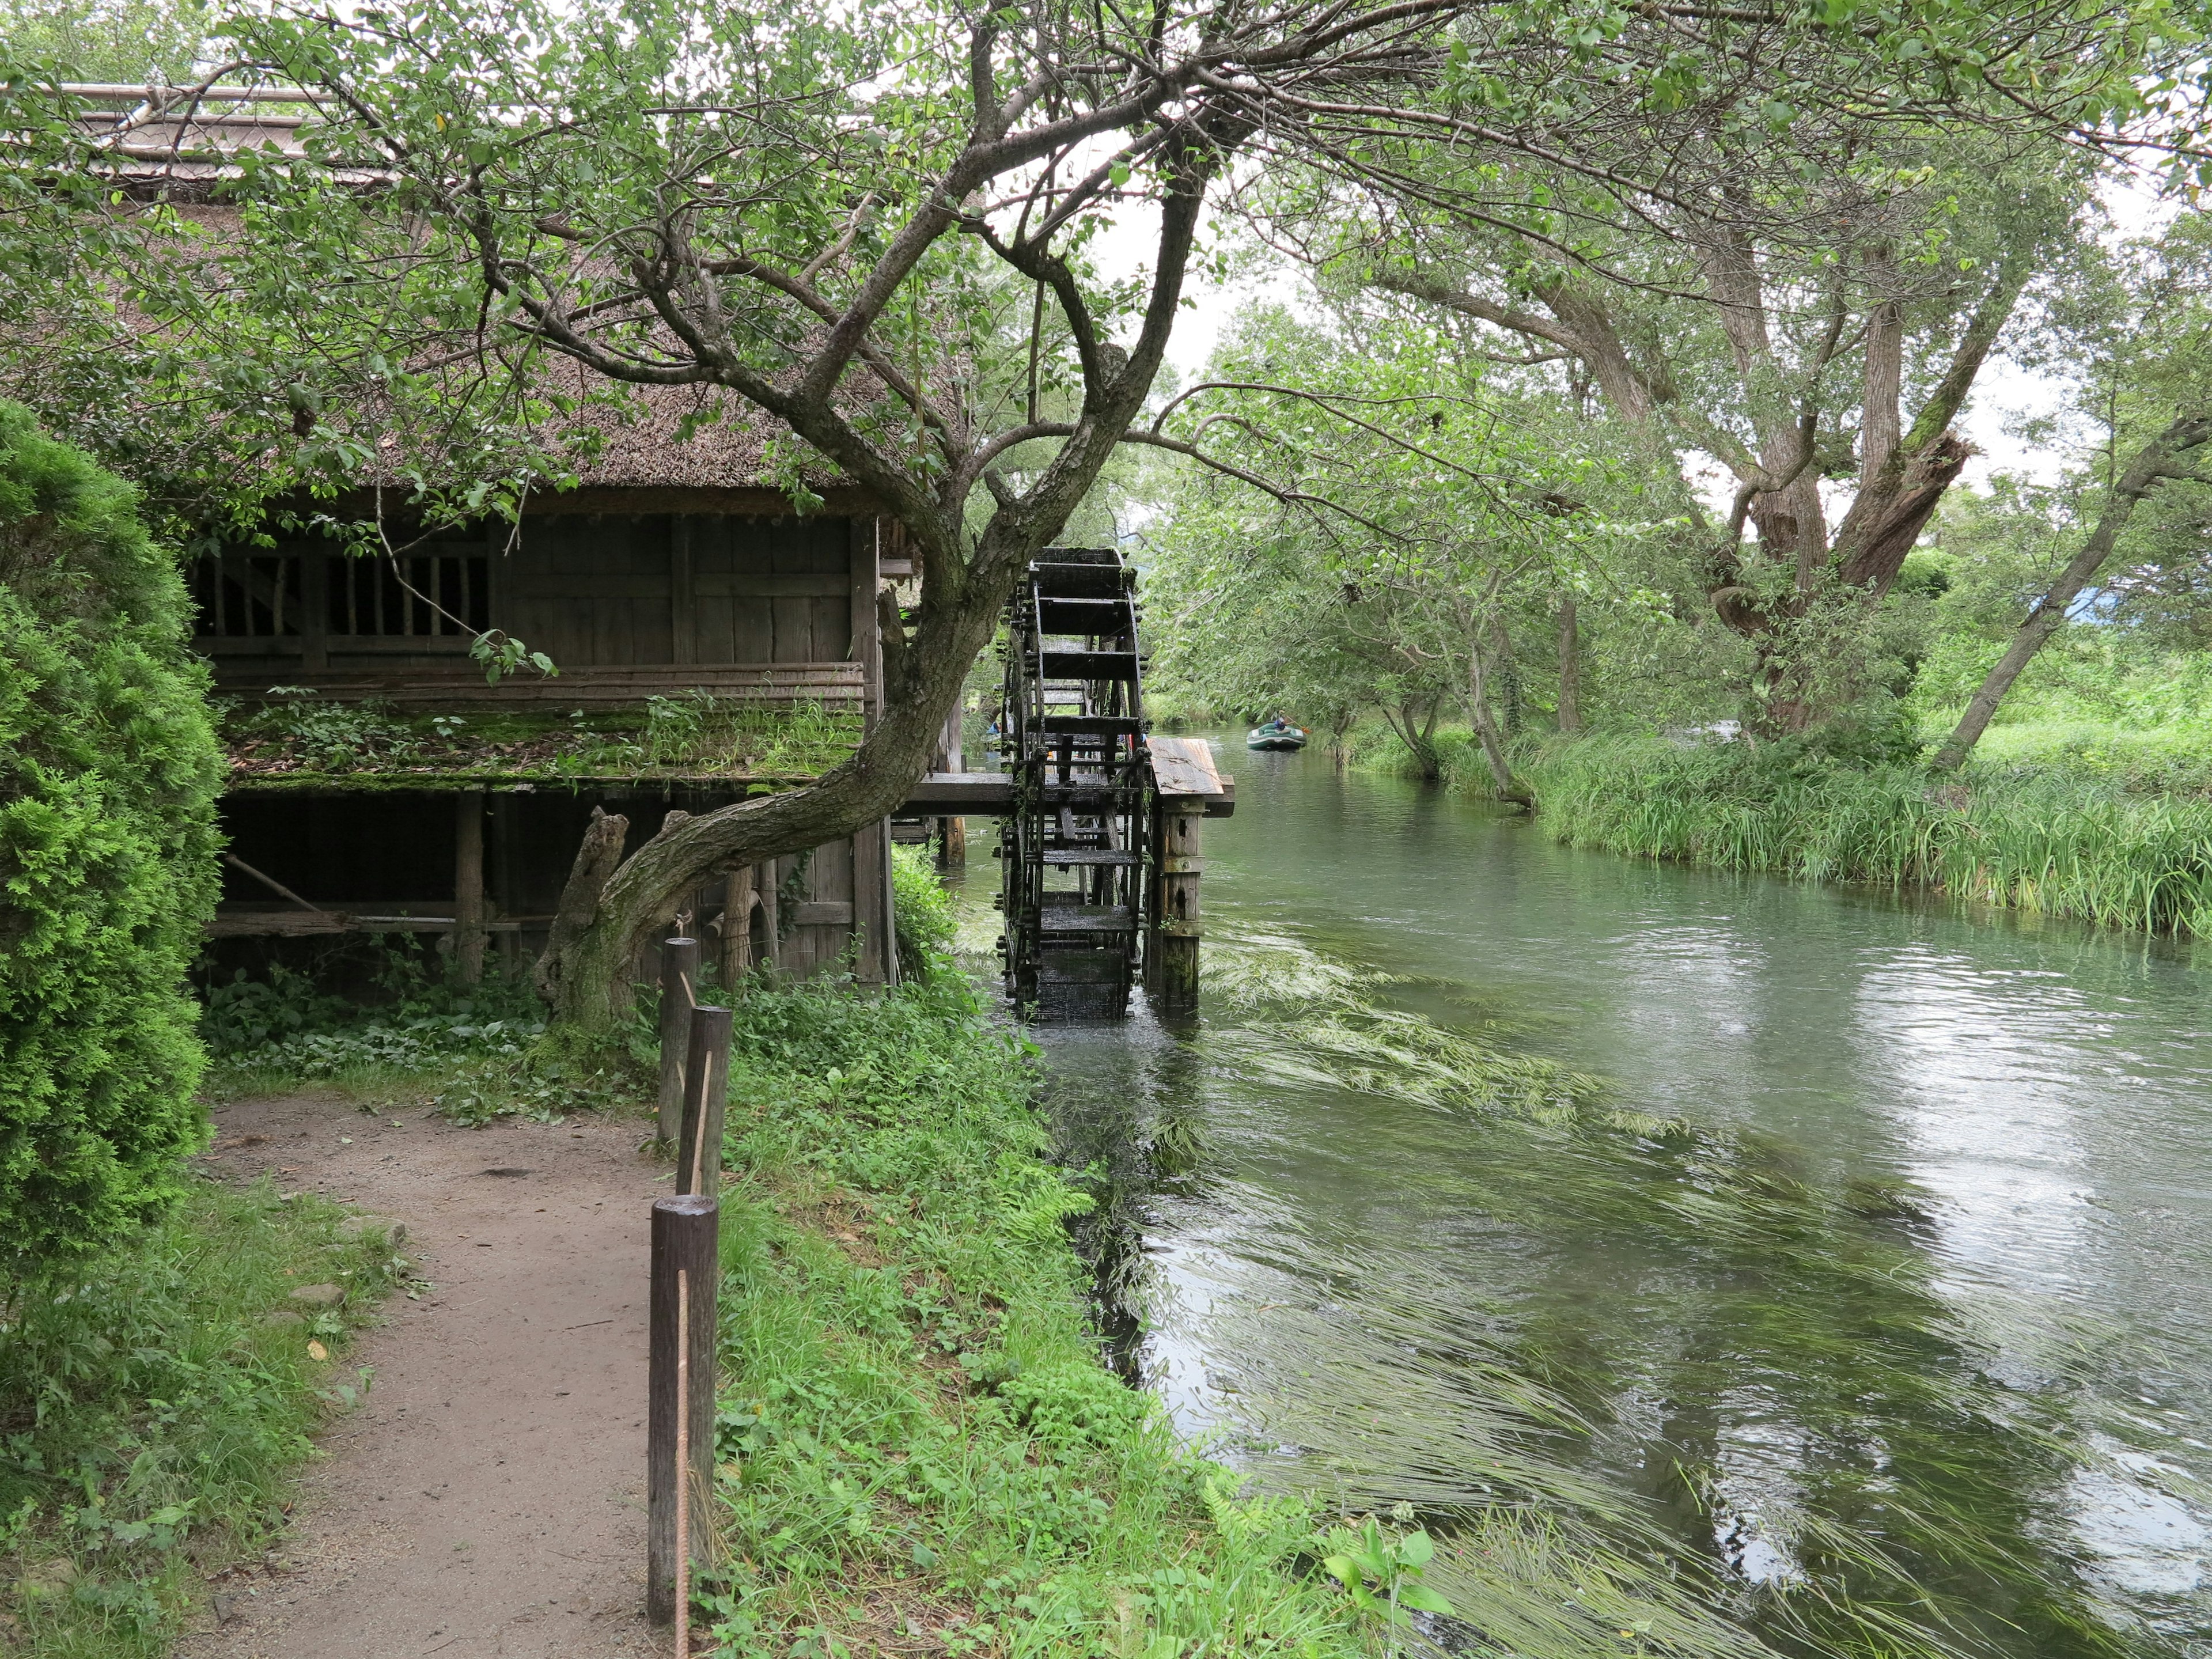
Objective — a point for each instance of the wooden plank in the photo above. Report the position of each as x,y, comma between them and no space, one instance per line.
1183,766
837,683
792,622
244,923
822,913
987,793
865,647
872,917
683,594
659,588
804,586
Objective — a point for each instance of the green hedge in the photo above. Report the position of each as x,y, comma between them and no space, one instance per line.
108,777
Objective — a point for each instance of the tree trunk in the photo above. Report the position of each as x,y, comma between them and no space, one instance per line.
1571,668
596,859
586,971
1420,742
1509,675
2153,463
1505,785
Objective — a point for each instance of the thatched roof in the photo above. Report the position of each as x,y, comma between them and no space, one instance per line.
176,146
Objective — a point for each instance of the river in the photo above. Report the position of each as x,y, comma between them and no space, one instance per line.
1720,1263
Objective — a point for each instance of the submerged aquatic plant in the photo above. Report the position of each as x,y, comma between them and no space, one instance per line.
1652,1386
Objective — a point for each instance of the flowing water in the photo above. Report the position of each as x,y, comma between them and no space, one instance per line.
1721,1264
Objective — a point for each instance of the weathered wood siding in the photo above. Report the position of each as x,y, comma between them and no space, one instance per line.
591,589
674,592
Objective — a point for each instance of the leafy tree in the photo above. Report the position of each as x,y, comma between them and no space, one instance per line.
834,221
109,771
1786,265
1427,507
2150,392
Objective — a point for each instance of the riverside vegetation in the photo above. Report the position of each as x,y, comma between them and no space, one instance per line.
2079,818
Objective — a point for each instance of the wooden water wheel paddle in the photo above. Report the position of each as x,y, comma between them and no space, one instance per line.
1076,842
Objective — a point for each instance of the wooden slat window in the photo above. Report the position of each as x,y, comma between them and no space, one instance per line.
243,595
445,594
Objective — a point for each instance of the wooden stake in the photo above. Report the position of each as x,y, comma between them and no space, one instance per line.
680,1398
469,885
679,990
706,1098
684,1462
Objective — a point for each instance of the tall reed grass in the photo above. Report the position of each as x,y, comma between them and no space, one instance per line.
2045,840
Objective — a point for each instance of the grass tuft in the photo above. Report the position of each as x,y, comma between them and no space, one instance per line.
152,1411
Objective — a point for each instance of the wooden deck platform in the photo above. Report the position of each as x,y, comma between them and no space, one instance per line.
990,794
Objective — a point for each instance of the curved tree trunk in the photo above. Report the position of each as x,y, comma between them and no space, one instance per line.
1420,740
2153,463
1506,786
586,973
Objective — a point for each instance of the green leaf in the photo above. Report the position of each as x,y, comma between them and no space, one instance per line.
1422,1599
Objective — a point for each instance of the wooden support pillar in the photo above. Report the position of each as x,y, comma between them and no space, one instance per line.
469,885
956,840
871,909
679,990
769,888
706,1098
1174,976
679,1393
737,942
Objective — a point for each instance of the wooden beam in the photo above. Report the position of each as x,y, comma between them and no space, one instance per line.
469,885
1172,949
836,684
866,651
683,600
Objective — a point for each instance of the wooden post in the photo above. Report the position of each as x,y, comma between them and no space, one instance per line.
1174,983
706,1096
956,840
686,1271
737,925
469,885
871,918
768,886
679,990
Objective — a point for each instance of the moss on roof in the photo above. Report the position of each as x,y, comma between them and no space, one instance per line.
305,742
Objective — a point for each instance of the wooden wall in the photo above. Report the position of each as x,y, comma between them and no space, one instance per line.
598,589
670,589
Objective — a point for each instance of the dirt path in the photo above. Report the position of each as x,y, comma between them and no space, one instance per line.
488,1499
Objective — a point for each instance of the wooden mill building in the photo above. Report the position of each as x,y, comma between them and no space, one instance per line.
709,643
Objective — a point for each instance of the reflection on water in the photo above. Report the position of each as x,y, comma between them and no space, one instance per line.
1847,1255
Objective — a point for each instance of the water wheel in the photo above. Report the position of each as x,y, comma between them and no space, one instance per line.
1074,844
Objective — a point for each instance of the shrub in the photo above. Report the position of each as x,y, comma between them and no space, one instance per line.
108,776
923,918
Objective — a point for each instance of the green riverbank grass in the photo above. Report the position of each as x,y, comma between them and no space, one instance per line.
2064,819
2047,840
921,1447
152,1413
